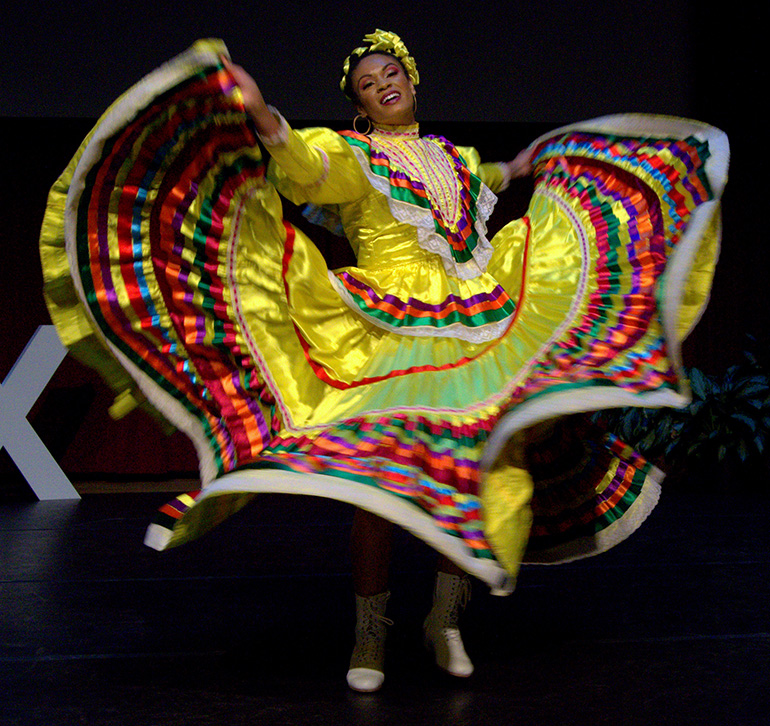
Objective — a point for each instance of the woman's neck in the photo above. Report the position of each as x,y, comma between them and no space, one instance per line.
406,131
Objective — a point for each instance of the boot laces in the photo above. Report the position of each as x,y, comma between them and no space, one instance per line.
458,599
370,632
371,637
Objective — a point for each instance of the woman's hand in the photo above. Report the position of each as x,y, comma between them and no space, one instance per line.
521,165
253,101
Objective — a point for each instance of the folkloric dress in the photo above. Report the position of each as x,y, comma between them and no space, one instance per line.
432,382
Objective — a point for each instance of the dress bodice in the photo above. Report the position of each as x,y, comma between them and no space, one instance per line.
380,239
414,211
423,159
390,186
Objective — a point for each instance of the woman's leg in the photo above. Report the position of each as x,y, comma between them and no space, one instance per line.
371,543
446,565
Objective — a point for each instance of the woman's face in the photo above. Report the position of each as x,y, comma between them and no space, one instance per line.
383,90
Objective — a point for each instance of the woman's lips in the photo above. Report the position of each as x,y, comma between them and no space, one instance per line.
390,98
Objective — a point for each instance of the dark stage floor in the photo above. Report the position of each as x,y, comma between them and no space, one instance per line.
252,624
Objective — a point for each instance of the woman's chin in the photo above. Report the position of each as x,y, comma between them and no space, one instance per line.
395,118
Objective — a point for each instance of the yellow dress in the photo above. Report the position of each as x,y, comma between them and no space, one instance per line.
430,380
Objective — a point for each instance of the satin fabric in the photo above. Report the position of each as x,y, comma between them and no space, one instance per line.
166,253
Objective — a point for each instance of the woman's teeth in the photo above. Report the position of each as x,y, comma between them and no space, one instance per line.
390,98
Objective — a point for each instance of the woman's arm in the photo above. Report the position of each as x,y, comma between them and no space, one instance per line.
313,165
253,101
497,175
500,174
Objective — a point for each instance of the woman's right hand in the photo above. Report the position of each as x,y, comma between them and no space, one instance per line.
253,101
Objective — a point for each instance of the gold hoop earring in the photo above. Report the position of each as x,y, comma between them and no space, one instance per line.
368,125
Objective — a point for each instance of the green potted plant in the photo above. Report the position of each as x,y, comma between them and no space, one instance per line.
720,439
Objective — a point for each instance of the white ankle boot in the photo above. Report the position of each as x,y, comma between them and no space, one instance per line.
442,634
367,664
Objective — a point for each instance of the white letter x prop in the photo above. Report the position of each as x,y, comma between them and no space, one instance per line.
22,387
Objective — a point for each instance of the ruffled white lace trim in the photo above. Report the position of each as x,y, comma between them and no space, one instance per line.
481,334
427,237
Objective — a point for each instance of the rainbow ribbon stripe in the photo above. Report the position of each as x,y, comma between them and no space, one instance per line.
151,244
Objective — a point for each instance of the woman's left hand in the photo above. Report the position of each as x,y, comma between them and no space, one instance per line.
521,165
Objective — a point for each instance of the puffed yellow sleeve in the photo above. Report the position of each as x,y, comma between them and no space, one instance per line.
494,175
314,165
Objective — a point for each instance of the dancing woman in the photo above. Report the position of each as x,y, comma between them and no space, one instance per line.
384,94
428,385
